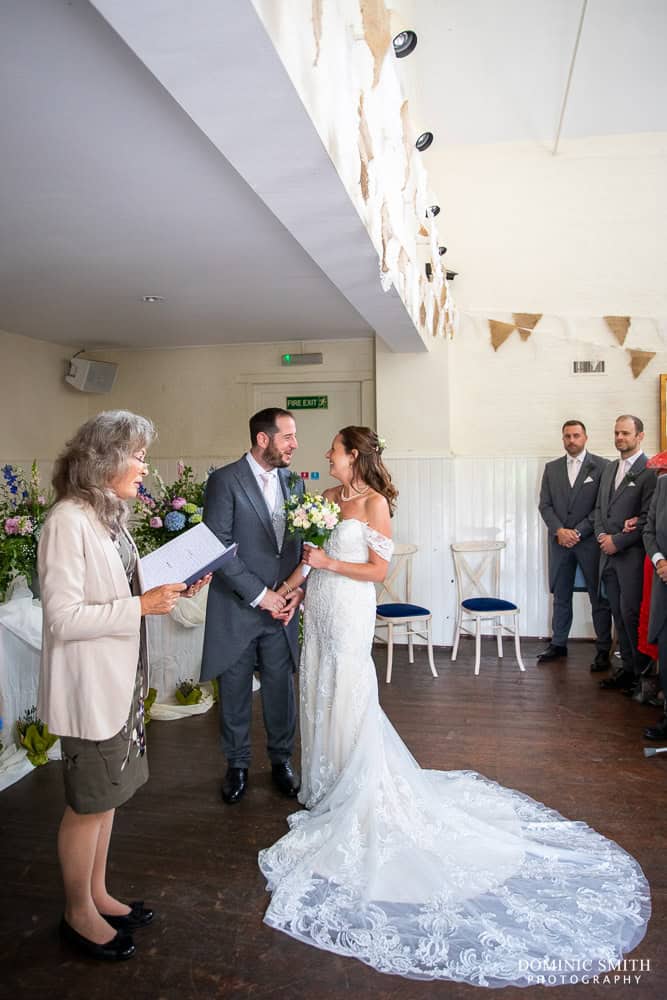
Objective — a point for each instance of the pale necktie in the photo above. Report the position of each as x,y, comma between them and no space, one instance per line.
620,474
267,490
270,492
573,469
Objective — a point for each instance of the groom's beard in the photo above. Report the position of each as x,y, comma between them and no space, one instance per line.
275,458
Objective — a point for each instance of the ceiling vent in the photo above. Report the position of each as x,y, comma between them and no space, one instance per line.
588,368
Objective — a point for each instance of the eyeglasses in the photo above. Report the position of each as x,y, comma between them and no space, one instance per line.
141,459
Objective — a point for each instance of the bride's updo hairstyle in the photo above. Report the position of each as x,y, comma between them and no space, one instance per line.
369,465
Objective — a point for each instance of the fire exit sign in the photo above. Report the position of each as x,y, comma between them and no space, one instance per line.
307,402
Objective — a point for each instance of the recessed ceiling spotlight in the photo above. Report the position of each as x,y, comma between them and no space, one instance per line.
424,141
442,250
152,298
432,211
404,43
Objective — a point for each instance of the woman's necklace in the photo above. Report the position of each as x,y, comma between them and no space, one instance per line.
355,492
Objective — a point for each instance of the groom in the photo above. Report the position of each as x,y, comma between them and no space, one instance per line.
244,504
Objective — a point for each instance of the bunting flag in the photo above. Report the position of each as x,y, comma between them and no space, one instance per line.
526,323
619,326
500,332
387,234
639,360
422,314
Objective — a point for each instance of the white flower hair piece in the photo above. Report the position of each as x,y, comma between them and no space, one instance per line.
382,444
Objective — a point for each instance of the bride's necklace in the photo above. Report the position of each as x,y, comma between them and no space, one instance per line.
355,492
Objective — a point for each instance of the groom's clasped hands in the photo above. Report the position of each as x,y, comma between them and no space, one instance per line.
288,605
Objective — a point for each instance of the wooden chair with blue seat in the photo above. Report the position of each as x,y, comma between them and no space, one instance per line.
477,568
395,608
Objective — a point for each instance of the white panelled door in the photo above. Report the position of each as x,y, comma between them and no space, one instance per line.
315,427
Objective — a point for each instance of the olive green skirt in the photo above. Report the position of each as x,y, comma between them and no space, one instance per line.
103,774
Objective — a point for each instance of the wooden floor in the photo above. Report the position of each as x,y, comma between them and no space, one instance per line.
550,733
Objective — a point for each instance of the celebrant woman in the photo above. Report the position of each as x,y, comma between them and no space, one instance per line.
94,668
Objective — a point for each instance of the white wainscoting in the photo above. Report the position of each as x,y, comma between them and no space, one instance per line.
445,500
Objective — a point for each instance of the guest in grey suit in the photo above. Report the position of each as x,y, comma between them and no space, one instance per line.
625,492
655,542
244,504
567,500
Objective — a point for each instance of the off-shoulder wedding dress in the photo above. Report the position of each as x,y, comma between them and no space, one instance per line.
428,874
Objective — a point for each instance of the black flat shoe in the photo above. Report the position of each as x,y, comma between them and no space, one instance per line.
625,681
285,779
552,653
234,785
139,916
658,732
119,948
601,662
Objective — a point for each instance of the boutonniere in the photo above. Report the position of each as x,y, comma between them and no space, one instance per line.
629,478
292,481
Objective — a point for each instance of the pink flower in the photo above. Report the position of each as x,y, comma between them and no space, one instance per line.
12,526
180,468
25,526
41,501
178,502
155,522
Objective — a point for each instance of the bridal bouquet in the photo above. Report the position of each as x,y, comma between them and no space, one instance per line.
311,517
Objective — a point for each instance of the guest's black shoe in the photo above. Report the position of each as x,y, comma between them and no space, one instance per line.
285,779
601,662
623,681
120,947
552,652
139,916
234,785
658,732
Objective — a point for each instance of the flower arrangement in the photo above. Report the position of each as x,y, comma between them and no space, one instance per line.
169,512
311,517
23,509
188,693
148,704
34,735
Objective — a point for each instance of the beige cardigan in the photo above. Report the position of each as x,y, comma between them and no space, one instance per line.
90,635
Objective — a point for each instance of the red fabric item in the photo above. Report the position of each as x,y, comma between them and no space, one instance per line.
643,645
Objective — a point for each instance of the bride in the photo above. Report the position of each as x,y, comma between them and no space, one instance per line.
425,874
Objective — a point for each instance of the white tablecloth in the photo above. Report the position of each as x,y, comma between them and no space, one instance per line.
175,647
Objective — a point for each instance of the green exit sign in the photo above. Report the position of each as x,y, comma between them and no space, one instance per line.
307,402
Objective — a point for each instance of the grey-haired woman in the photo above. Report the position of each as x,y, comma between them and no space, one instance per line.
94,669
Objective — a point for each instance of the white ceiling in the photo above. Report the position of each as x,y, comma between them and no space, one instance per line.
170,155
487,71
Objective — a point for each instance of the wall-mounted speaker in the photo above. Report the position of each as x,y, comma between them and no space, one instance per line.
91,376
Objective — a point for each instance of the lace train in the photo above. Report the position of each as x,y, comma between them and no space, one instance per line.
428,874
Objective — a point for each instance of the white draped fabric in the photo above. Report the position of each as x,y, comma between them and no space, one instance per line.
427,874
175,645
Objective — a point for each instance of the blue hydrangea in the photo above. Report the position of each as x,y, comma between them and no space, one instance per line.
174,521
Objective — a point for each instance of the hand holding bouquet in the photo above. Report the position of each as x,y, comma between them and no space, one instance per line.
312,518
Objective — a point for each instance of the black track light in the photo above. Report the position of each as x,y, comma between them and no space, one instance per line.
450,275
442,251
428,267
424,141
404,43
432,211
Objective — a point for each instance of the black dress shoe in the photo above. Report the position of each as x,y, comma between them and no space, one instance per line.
234,785
658,732
285,779
601,662
623,681
552,653
120,947
139,916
